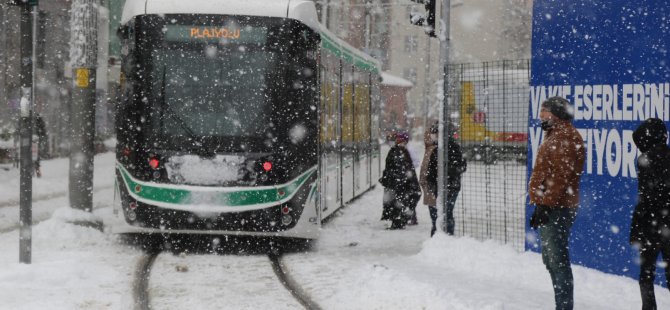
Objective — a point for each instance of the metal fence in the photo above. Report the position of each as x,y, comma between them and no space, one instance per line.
489,103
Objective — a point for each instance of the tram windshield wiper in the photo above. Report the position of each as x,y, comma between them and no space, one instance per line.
202,150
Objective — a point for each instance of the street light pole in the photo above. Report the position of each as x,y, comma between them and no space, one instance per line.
444,111
27,28
426,87
324,13
368,6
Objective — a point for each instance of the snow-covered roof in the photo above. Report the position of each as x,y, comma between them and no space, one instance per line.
389,79
302,10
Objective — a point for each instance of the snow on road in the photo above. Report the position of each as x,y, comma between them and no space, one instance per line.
217,282
356,264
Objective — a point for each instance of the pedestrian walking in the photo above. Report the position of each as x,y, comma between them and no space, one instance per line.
40,142
650,225
401,186
457,165
554,190
428,174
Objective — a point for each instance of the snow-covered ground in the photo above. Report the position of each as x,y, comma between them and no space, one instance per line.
356,264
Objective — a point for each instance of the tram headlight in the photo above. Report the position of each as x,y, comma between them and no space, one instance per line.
286,220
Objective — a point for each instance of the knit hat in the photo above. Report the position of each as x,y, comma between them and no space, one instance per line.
401,136
559,106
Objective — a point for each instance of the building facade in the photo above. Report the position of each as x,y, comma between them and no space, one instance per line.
490,30
53,82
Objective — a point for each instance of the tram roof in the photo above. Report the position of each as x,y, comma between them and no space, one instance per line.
347,52
302,10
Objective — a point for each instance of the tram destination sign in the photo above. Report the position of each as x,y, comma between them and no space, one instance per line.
199,33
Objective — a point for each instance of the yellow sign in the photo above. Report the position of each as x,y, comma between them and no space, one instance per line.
82,78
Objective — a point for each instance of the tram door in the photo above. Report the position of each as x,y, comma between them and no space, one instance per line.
347,121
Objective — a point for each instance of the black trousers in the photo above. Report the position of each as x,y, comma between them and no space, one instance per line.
648,257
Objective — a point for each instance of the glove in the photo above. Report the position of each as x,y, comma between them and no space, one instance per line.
540,216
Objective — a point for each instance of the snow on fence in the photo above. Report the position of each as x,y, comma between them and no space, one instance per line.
489,106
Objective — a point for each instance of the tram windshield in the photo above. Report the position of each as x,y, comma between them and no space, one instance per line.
214,78
222,78
222,94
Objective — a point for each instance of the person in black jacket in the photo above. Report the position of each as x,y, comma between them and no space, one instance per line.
39,128
401,186
456,166
650,226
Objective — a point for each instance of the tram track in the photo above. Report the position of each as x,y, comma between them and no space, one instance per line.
141,289
290,284
141,281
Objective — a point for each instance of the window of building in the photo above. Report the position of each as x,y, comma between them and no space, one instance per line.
410,74
411,44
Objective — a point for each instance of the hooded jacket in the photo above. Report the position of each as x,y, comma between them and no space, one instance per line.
558,167
651,219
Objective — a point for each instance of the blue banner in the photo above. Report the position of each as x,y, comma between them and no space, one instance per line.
610,60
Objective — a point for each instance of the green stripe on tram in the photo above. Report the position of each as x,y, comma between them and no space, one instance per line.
348,56
155,192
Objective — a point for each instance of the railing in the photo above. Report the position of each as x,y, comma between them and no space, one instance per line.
489,104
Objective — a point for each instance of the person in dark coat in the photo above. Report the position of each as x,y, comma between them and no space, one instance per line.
40,130
650,226
401,186
457,166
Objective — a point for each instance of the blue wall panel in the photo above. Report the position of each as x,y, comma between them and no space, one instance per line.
610,60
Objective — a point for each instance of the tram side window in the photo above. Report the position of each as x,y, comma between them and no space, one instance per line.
362,110
323,76
332,100
125,112
375,108
347,104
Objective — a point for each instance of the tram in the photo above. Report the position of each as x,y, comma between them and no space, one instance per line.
240,118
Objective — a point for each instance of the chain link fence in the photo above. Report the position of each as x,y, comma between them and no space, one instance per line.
489,108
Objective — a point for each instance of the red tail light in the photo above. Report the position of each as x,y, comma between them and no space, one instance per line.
267,166
154,163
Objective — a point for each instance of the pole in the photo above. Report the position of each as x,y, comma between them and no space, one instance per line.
28,27
3,47
444,111
426,86
83,56
368,6
324,13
